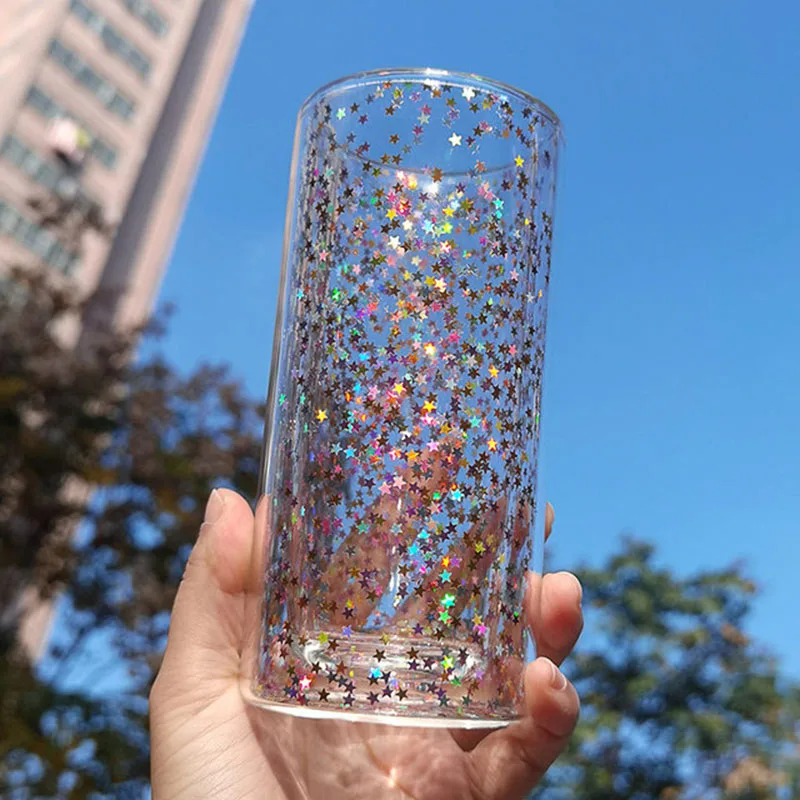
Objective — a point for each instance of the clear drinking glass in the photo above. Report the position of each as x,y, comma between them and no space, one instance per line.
399,515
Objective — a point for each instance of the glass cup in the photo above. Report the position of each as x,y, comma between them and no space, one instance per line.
399,518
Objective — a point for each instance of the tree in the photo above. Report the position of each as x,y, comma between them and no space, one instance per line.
105,467
677,701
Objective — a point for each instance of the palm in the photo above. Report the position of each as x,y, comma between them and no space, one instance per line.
207,742
279,756
335,759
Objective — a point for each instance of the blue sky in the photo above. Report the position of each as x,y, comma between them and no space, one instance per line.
671,405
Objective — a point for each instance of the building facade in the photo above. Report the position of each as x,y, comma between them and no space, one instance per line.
105,110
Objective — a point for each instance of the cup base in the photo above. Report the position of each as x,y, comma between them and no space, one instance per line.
394,680
337,714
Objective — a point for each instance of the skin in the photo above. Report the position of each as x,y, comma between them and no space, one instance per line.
208,743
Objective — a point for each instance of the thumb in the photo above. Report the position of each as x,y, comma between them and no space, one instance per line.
206,628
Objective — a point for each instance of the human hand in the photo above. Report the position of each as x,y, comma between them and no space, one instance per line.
208,743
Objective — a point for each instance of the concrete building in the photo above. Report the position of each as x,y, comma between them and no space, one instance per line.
105,110
106,105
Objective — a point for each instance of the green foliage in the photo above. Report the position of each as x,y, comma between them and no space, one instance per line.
105,466
677,702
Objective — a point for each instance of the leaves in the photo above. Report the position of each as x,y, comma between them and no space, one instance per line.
677,701
105,467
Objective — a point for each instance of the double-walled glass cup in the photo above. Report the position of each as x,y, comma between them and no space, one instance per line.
399,517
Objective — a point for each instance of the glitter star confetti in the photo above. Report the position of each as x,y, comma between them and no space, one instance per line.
404,436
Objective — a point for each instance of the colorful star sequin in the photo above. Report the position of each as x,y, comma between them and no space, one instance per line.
402,468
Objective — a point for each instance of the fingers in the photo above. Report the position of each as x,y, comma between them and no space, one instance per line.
555,613
206,627
509,762
377,553
554,607
464,566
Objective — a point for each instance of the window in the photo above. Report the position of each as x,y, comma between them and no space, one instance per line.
50,176
42,172
39,241
112,38
99,86
120,106
43,104
38,170
143,11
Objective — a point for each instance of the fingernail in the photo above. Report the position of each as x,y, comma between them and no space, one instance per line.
214,508
557,679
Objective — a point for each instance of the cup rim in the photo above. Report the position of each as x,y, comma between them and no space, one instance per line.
468,79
